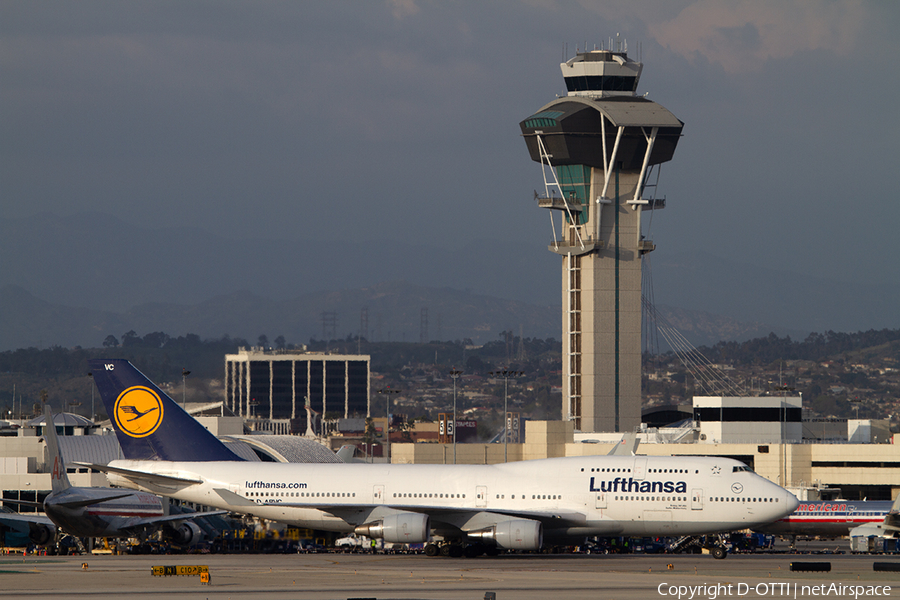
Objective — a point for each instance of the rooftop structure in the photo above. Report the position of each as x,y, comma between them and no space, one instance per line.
276,385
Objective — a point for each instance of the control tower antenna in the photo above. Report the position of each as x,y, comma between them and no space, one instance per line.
600,144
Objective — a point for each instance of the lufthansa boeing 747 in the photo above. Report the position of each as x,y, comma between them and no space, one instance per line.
455,509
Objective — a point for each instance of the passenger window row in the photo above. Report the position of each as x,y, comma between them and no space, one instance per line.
741,499
424,495
652,498
301,494
533,496
610,470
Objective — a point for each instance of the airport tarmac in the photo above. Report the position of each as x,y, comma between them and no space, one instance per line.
510,577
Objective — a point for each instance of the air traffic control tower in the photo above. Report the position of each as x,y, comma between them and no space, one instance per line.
600,147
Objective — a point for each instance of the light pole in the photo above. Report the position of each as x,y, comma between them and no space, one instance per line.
506,374
91,375
855,402
184,374
387,426
454,373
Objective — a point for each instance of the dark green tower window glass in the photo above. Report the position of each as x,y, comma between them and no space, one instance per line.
546,118
575,181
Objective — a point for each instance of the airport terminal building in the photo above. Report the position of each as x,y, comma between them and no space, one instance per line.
864,468
762,432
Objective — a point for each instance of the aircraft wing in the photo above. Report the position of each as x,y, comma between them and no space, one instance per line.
141,524
15,519
473,519
456,520
140,477
234,499
456,516
551,518
463,520
348,512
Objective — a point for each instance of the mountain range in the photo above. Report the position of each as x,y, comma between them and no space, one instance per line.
74,280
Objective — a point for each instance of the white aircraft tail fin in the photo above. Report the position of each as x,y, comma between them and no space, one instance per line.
892,518
627,446
59,481
346,453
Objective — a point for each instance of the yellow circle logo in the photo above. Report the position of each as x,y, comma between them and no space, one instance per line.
139,411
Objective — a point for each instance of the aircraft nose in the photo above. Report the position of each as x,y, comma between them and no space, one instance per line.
791,501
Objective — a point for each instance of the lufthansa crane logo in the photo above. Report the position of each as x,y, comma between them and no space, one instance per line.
737,488
138,411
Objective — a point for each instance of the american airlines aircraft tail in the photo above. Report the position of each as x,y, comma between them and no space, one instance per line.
455,509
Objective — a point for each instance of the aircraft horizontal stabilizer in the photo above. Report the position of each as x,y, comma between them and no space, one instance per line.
91,501
141,476
30,503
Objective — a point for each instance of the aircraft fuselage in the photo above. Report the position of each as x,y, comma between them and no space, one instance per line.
603,495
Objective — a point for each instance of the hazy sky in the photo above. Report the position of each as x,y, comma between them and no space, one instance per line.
373,120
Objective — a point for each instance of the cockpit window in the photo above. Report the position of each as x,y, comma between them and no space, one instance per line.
741,468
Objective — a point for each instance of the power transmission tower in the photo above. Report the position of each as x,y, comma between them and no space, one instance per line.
329,325
520,353
364,323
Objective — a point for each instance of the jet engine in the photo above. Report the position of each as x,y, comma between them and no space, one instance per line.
186,534
518,534
402,528
41,535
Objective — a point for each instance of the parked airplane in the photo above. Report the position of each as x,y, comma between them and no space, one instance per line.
888,527
831,518
88,512
468,509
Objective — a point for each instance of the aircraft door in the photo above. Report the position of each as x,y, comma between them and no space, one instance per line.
378,494
480,496
697,499
640,467
601,500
